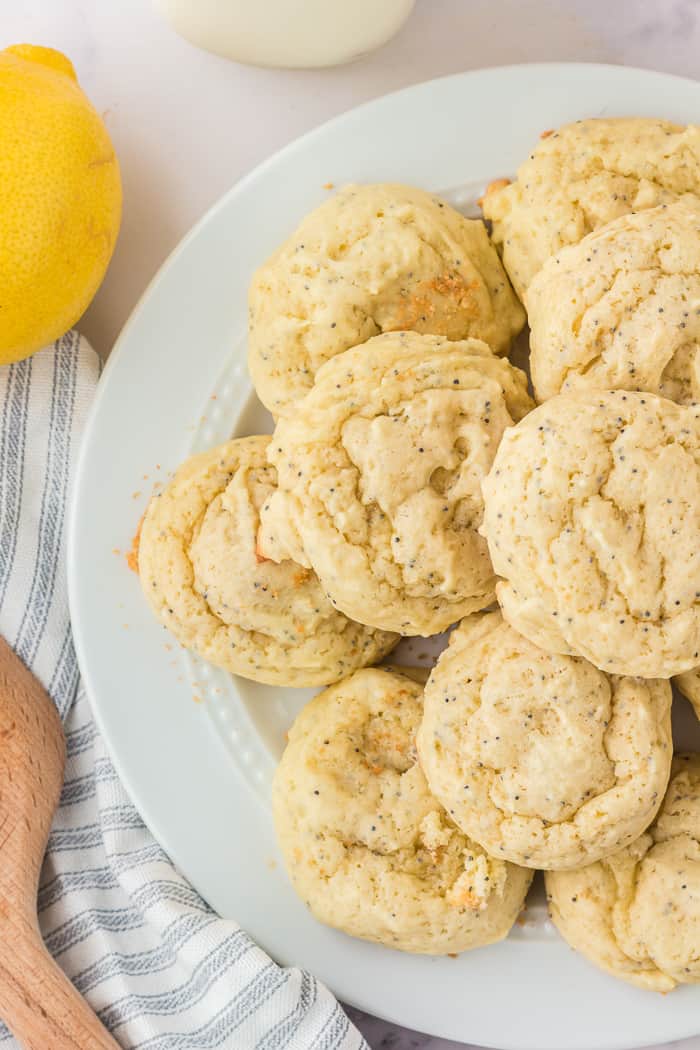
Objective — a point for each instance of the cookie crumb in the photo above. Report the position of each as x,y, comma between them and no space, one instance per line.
132,555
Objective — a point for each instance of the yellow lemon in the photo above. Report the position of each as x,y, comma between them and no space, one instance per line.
60,199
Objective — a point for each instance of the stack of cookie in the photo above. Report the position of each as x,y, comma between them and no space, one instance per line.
409,484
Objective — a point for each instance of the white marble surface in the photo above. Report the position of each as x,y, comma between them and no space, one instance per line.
186,124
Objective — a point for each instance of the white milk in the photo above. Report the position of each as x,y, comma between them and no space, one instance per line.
289,33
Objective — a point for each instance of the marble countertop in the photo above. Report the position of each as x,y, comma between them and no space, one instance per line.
185,130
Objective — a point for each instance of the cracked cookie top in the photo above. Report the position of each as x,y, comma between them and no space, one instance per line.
592,515
372,259
637,914
585,175
542,759
205,582
368,848
380,474
620,310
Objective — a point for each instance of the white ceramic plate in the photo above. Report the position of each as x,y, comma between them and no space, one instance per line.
195,748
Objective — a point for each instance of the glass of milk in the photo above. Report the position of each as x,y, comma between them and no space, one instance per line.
293,34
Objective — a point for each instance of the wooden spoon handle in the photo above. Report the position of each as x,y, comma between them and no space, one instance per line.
37,1001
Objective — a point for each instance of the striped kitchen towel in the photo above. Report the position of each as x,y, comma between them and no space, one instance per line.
159,967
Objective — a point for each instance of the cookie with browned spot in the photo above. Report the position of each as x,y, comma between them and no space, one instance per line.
206,583
583,176
372,259
366,845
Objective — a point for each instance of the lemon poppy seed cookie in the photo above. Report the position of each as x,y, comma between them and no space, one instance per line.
621,309
366,845
585,175
542,759
203,580
380,476
636,914
372,259
592,515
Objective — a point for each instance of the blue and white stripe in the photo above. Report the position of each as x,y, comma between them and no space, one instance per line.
160,968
